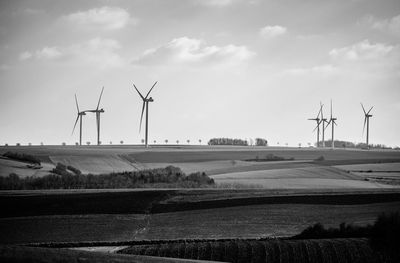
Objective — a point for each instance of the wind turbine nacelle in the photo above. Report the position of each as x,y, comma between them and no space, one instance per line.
102,110
150,99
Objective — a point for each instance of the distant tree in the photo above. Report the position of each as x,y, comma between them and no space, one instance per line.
188,141
227,141
142,140
309,144
299,144
63,144
110,142
200,141
77,143
121,142
6,144
261,142
177,141
277,143
166,141
155,141
18,144
99,142
88,143
41,144
286,144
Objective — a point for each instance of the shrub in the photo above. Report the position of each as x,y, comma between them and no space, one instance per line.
22,157
68,177
261,142
385,235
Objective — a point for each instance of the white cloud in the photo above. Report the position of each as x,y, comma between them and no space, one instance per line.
48,53
363,50
218,3
98,52
320,70
107,18
190,50
25,55
272,31
391,25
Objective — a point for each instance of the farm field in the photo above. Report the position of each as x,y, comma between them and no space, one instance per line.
212,159
156,214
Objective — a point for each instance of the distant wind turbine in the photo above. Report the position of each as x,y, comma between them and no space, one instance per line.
146,101
79,117
366,121
332,121
323,121
318,120
98,112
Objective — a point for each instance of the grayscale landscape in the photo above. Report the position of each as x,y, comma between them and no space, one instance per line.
199,131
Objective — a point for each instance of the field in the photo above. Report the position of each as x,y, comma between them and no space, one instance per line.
251,200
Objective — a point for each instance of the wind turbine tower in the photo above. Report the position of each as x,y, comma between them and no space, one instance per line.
323,120
318,120
145,106
366,121
98,112
332,121
79,117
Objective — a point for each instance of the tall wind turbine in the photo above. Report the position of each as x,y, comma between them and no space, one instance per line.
323,121
366,121
79,117
98,112
318,120
332,121
146,101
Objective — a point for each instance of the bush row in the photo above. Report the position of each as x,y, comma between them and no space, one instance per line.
63,179
22,157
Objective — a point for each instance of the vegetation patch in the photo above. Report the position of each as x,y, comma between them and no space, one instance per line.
269,158
22,157
67,177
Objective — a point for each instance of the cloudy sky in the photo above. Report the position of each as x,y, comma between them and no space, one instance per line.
225,68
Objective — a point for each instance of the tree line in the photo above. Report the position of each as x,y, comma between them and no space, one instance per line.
240,142
63,177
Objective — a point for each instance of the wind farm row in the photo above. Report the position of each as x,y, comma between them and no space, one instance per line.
332,121
319,119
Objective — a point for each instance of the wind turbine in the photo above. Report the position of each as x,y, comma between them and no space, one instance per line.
332,121
98,112
318,120
366,121
146,101
79,117
323,120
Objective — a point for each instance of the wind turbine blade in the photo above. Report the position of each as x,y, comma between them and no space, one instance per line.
365,113
150,89
365,121
140,94
334,122
77,118
101,94
76,102
316,126
370,110
141,116
329,122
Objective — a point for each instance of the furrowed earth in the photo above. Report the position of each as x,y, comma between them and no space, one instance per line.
251,199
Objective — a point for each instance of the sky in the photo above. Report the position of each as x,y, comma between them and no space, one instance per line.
225,68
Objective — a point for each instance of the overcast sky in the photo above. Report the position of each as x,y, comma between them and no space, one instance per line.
225,68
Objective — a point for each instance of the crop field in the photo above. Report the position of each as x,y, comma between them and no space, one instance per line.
213,159
270,251
157,214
